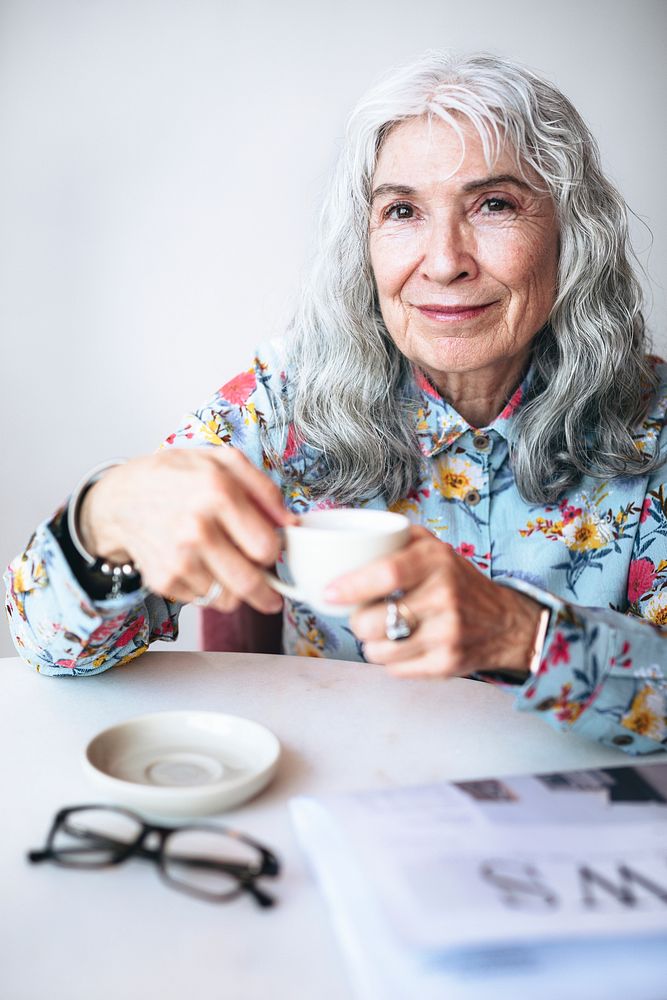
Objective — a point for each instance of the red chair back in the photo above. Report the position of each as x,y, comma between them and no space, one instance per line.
242,631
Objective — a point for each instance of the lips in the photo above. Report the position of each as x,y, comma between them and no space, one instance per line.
452,313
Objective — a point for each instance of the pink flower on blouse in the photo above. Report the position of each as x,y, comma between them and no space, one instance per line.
626,661
130,632
560,649
513,405
106,629
465,549
569,513
292,444
164,628
424,384
238,389
186,432
646,506
640,578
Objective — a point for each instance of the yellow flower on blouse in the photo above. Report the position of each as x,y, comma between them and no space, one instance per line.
209,431
251,411
586,532
304,648
656,609
133,654
456,476
422,422
29,573
409,505
647,714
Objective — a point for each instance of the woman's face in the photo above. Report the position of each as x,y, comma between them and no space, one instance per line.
464,257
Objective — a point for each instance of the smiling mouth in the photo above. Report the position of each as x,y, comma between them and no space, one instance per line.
450,314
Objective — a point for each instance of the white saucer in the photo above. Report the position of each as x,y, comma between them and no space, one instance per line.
179,764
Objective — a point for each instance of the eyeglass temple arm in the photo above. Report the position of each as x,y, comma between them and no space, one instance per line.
35,856
270,863
46,853
260,896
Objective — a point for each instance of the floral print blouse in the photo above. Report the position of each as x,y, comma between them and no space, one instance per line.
597,558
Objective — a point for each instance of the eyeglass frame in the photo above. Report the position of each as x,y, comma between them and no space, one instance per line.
245,875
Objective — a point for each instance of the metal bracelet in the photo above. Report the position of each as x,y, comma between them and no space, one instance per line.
117,572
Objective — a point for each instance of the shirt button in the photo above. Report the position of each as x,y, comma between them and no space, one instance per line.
545,704
623,741
472,498
481,442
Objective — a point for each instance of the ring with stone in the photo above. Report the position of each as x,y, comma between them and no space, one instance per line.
399,623
211,595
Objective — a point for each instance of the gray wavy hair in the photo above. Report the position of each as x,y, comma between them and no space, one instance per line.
351,391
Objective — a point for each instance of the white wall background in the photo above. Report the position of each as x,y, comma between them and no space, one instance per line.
161,165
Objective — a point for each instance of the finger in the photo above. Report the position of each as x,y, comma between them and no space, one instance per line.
182,578
420,660
217,597
180,593
433,663
192,567
424,602
192,592
436,637
403,570
246,525
388,651
241,577
425,667
263,491
378,648
183,593
225,602
250,508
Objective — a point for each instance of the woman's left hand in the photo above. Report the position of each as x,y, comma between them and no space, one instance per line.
461,621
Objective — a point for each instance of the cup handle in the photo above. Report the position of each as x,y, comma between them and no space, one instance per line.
286,589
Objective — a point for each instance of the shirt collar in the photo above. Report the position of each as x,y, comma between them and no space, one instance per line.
439,425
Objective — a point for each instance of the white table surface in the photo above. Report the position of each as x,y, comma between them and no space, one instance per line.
121,933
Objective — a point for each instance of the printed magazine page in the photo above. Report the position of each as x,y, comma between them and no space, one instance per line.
464,880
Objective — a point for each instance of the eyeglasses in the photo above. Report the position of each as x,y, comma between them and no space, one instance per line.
214,863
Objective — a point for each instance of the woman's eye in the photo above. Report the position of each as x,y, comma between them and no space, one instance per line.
399,211
494,206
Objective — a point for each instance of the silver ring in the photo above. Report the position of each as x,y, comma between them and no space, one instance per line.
396,622
211,595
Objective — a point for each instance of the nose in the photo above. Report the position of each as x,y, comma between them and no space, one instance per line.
449,251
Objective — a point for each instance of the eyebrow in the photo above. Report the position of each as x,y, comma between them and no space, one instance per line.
405,190
494,179
392,189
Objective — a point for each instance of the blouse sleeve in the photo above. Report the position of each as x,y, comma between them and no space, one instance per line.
57,627
603,673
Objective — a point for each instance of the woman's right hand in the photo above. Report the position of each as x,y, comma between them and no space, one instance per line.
187,518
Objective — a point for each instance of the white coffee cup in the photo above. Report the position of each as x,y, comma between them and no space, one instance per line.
329,543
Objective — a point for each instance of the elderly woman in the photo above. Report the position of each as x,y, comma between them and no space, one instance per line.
469,351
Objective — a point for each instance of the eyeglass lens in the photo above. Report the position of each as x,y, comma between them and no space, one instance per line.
94,837
208,861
